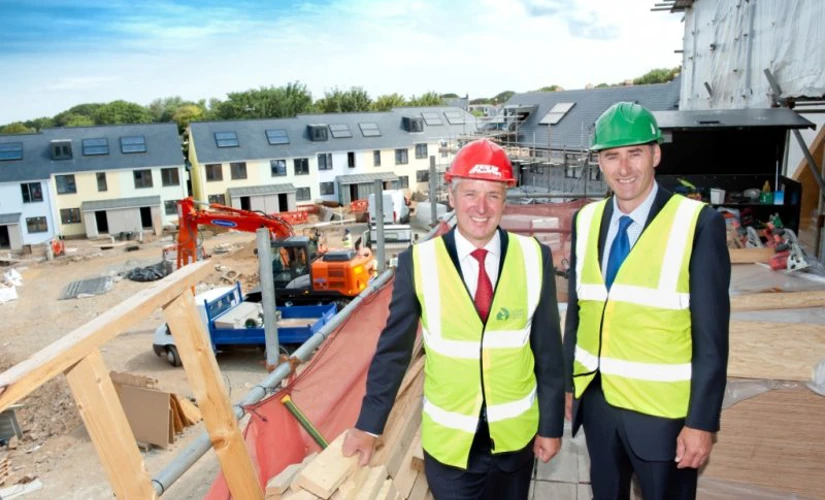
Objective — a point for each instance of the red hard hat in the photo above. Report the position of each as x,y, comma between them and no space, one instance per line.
482,160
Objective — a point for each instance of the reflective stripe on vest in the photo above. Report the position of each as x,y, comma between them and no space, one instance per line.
461,350
638,335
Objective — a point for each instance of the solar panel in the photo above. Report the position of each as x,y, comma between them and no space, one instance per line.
11,151
340,131
454,117
277,136
369,129
556,113
226,139
431,118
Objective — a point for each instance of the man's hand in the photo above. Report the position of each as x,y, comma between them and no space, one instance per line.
358,441
693,448
546,448
568,406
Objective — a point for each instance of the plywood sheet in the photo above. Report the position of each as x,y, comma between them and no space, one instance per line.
148,413
780,351
775,440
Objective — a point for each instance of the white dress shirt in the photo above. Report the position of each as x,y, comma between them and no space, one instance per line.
634,230
469,264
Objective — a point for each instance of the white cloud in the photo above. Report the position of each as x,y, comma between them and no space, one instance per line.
480,47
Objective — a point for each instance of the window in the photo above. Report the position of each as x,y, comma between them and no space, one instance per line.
11,151
238,170
278,167
65,184
351,159
214,172
413,124
36,225
403,181
432,118
133,144
32,192
226,139
95,147
61,150
595,173
101,182
277,136
422,176
556,113
170,207
401,157
217,198
369,129
70,215
573,171
340,131
376,158
454,117
301,166
324,162
318,132
327,188
143,178
169,177
302,194
420,151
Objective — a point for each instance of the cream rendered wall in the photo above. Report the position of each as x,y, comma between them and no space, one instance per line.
86,184
259,173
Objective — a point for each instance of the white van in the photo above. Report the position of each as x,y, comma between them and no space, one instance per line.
395,207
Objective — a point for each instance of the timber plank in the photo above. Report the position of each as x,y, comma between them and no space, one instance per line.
420,488
404,420
207,384
777,351
23,378
368,482
418,452
750,255
323,475
101,411
405,478
781,300
280,483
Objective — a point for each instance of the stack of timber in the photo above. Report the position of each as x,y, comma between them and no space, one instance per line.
4,467
396,470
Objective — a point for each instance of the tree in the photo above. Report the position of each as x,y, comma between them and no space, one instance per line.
79,121
659,75
16,128
426,99
88,110
482,100
503,97
388,101
449,96
163,109
117,112
602,86
266,102
39,124
551,88
344,101
187,114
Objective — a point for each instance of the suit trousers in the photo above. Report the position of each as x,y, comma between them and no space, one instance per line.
487,477
613,462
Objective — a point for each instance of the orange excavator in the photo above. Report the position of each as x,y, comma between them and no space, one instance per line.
302,273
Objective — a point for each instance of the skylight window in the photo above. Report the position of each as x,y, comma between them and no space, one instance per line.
11,151
370,129
454,117
226,139
277,136
340,131
95,147
556,113
133,144
431,118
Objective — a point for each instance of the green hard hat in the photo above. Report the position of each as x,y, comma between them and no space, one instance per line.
625,124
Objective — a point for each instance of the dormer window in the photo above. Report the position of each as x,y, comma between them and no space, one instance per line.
318,133
413,124
61,150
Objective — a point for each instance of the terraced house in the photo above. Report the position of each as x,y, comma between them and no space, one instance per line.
275,165
88,181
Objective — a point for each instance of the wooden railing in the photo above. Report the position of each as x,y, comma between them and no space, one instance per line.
77,355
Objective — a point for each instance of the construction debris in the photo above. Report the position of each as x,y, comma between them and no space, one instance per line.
5,466
151,273
87,287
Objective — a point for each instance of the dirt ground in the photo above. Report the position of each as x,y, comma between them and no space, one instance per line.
56,448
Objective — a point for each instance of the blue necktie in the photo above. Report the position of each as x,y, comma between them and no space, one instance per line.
618,250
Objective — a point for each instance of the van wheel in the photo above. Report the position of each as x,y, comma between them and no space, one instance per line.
172,355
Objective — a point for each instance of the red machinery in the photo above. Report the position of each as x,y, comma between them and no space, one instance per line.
301,274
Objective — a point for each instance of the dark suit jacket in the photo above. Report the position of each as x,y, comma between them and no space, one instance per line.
392,356
654,438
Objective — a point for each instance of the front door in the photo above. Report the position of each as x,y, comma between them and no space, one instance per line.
146,217
5,241
102,222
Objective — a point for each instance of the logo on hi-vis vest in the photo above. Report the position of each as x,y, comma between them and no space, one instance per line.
503,314
486,169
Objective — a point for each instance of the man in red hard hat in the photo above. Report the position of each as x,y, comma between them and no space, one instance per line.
486,301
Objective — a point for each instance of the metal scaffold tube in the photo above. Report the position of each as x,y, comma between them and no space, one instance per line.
191,454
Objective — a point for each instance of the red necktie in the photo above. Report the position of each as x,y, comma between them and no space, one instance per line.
484,289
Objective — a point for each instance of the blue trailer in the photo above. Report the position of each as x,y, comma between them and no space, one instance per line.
233,321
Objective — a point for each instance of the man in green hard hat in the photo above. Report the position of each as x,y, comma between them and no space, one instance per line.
646,334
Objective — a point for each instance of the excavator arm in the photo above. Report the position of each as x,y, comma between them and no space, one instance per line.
190,217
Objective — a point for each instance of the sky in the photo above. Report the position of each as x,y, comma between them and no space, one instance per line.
59,53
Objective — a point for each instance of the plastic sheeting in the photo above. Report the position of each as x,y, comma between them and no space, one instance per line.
729,44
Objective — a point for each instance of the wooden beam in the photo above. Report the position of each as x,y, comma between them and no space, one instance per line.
783,300
328,471
750,255
99,407
23,378
775,351
204,377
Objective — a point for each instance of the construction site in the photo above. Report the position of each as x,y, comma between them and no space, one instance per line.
168,366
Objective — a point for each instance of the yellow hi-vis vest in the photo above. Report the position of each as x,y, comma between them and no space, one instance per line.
638,335
468,362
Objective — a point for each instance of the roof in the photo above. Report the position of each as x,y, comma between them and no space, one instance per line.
345,180
261,190
10,218
574,128
120,203
458,102
163,148
254,145
731,118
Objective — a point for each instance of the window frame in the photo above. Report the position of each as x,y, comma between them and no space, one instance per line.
174,205
212,167
9,150
405,156
275,137
136,145
304,164
105,182
69,188
272,164
70,219
376,155
236,168
27,191
299,197
37,220
142,175
101,148
330,184
327,163
163,180
228,139
418,155
422,175
217,198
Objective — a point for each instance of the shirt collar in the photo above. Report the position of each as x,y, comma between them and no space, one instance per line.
464,248
640,213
